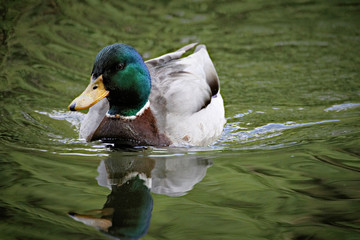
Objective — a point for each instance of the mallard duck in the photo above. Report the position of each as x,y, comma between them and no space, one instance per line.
166,101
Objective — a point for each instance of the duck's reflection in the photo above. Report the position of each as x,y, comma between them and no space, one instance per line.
127,211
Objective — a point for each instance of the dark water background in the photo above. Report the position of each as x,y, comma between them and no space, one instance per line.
286,167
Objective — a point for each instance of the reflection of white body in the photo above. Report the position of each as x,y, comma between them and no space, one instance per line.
175,177
170,176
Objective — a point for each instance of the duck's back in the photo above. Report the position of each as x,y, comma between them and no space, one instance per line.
185,97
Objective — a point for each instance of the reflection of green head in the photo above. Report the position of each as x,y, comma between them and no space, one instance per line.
132,204
128,208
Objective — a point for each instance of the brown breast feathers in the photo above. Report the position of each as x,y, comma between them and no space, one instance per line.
141,131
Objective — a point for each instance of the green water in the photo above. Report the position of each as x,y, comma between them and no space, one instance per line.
286,167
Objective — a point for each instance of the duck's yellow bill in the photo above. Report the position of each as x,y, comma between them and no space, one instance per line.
94,92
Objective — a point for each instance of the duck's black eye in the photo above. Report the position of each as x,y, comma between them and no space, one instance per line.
120,66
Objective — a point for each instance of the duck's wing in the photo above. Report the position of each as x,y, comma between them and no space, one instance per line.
185,96
181,78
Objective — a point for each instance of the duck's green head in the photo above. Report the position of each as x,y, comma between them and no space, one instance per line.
121,75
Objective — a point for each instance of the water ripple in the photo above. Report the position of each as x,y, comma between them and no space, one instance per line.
75,118
342,107
235,133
